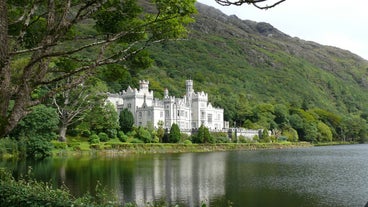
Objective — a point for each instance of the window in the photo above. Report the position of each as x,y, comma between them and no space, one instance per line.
209,118
149,113
140,115
161,114
167,113
203,115
129,105
194,125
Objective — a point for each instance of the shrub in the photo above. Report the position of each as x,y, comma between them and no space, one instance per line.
8,146
243,139
122,137
144,135
103,137
59,145
32,193
94,139
222,140
95,146
111,133
174,135
86,133
137,141
38,147
188,142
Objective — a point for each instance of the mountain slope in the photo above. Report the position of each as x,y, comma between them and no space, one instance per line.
241,63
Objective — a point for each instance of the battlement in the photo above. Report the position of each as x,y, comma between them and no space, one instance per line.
143,91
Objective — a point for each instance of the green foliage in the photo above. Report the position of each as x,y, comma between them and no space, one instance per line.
94,139
174,136
126,120
28,192
325,134
59,145
187,141
86,133
103,137
144,135
8,146
122,137
42,121
291,134
36,131
203,136
102,118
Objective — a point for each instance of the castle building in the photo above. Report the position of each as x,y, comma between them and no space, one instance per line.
188,112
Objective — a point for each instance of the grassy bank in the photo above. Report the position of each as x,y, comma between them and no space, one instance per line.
134,148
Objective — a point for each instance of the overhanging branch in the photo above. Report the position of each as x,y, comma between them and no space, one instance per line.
256,3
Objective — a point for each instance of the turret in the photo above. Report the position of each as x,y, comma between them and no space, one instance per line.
143,85
190,91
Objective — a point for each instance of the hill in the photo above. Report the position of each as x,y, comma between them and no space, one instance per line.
243,63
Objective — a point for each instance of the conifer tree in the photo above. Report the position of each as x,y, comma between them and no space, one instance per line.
174,135
126,121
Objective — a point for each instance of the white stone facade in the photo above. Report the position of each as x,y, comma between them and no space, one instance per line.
190,111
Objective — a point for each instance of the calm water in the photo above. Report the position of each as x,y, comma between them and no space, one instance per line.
319,176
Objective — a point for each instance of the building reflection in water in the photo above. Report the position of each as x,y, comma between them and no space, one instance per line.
186,179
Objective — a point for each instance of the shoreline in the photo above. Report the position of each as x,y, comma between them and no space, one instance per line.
111,149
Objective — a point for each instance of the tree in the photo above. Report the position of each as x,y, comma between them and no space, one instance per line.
73,103
126,121
144,135
174,135
101,118
41,32
36,130
260,4
160,131
203,135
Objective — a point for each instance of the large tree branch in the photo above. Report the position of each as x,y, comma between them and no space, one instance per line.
256,3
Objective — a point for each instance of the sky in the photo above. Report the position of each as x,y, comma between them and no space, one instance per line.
338,23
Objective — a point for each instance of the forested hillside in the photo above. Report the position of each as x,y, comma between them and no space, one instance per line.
243,64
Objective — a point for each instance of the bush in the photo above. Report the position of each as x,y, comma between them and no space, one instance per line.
243,139
188,142
95,146
59,145
144,135
136,141
103,137
8,146
94,139
38,147
112,133
86,133
32,193
122,137
222,140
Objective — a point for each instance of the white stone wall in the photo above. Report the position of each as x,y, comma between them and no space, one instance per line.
188,112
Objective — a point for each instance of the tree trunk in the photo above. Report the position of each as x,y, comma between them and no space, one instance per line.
5,89
62,132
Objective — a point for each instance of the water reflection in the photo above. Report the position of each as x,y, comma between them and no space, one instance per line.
188,178
320,176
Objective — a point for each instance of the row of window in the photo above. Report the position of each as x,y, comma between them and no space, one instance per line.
182,113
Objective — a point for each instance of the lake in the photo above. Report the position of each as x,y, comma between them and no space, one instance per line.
315,176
